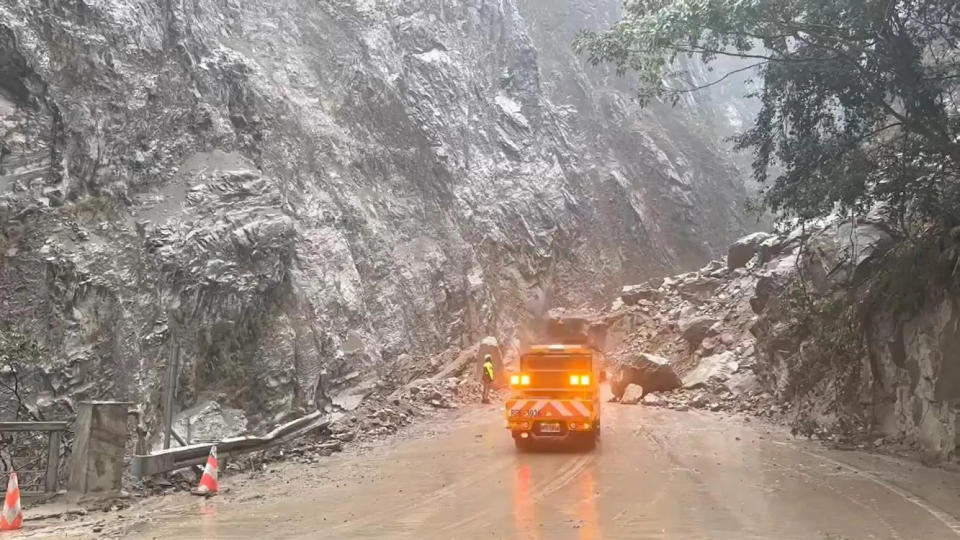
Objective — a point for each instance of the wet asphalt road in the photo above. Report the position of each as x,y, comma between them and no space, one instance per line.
657,474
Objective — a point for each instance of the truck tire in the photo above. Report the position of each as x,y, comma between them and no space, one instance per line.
522,445
590,441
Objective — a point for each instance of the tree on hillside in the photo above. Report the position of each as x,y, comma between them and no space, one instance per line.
860,101
20,368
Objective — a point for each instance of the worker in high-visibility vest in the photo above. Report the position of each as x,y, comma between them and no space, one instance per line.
487,377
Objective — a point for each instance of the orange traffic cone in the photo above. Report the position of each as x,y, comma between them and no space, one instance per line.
12,517
208,482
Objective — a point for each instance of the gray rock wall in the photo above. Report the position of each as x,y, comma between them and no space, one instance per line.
287,193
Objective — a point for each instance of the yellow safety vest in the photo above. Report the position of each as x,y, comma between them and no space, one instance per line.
488,370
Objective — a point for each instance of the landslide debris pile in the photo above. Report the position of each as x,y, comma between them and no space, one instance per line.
684,341
382,411
783,329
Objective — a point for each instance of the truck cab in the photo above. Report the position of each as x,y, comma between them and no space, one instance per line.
555,396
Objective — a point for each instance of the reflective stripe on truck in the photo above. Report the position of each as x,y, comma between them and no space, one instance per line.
549,408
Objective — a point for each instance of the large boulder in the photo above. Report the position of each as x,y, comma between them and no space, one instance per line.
653,373
694,329
712,369
741,251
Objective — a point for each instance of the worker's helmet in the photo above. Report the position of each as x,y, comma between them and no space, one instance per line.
487,358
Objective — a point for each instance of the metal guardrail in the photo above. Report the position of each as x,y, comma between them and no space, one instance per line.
196,454
55,430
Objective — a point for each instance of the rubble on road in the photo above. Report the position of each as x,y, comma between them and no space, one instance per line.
370,411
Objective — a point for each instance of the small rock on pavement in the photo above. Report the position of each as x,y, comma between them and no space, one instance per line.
654,400
631,396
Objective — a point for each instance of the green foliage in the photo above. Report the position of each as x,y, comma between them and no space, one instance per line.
829,330
859,97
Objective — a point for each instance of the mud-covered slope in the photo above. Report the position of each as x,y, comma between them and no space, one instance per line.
288,193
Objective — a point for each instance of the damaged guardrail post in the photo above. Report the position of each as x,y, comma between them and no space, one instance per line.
96,463
196,454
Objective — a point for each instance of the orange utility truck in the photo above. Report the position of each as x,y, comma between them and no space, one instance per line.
555,396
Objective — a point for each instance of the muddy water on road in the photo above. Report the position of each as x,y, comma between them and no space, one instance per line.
657,474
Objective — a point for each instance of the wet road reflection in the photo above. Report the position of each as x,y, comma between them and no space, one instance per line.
523,508
587,508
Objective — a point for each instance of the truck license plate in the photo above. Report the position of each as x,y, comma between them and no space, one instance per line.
550,427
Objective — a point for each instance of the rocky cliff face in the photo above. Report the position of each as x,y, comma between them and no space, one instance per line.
288,195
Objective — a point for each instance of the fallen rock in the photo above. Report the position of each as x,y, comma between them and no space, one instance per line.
208,421
351,398
771,247
741,251
346,436
632,294
717,368
711,267
694,329
335,445
766,287
654,400
632,395
698,288
744,382
708,345
653,373
653,283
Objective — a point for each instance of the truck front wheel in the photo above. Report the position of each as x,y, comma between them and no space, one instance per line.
588,440
521,444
